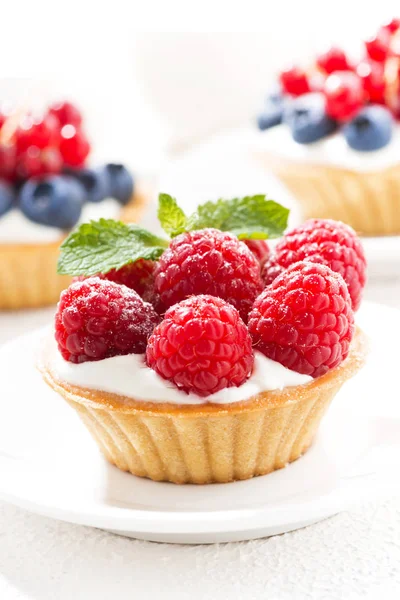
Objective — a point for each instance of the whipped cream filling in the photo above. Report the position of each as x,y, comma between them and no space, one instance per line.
16,228
130,376
332,150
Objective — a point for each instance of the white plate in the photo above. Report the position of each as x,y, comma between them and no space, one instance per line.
49,464
224,166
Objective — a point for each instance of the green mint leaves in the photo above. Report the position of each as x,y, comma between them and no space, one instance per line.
99,246
172,218
250,217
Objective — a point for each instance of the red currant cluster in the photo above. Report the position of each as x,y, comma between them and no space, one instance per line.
32,146
347,85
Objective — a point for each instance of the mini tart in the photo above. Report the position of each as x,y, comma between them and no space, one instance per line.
28,272
209,443
367,201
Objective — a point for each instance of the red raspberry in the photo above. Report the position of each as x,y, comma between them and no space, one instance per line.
74,146
332,60
324,241
209,262
377,46
40,133
202,345
304,319
138,276
8,161
97,319
344,95
294,81
66,114
392,26
372,75
259,248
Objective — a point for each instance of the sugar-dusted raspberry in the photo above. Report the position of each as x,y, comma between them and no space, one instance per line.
209,262
97,319
259,248
324,241
202,345
138,276
304,319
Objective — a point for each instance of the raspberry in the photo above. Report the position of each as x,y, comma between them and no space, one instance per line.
304,319
377,46
97,319
327,242
202,346
74,146
344,95
138,276
334,59
259,248
294,81
209,262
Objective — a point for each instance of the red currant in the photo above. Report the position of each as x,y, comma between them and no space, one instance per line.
392,26
332,60
8,159
377,46
74,146
66,114
344,95
294,81
372,76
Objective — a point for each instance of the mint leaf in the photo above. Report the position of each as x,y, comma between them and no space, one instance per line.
172,218
253,217
99,246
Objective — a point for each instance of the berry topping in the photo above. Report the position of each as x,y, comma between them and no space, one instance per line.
304,319
344,95
202,346
138,276
259,248
55,201
98,319
392,26
377,46
308,120
372,75
327,242
8,161
74,146
332,60
66,114
7,197
294,81
94,181
41,132
120,182
209,262
272,112
371,129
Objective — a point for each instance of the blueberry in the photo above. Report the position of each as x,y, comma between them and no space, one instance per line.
55,201
272,112
7,197
308,120
121,183
270,116
95,182
370,130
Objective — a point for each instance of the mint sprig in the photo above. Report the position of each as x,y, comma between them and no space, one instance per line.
249,217
99,246
172,218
